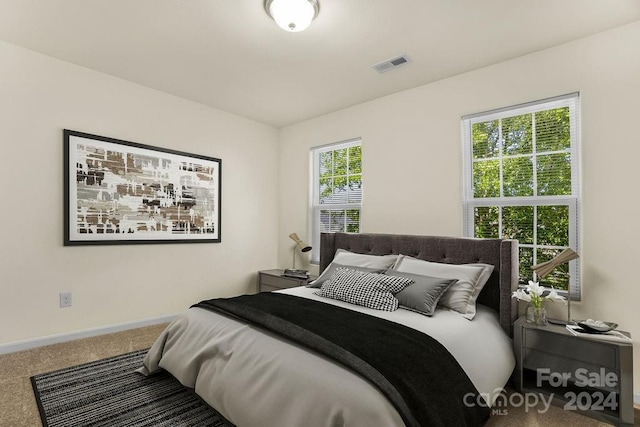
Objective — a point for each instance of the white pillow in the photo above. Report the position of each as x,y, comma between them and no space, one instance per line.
376,263
328,273
345,257
462,295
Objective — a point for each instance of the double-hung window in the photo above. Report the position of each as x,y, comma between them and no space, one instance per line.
521,181
337,190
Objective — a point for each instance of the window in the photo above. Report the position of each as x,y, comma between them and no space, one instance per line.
521,181
337,190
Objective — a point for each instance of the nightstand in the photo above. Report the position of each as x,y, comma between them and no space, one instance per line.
590,376
272,280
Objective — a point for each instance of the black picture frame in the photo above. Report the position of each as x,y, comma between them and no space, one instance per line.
120,192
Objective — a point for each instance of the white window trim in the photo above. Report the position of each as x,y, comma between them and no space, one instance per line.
314,206
573,201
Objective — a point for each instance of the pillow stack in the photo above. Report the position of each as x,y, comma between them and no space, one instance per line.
462,294
388,281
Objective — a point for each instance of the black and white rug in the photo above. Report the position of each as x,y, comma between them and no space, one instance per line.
110,393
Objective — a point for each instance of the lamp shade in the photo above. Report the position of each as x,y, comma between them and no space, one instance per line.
304,247
292,15
547,267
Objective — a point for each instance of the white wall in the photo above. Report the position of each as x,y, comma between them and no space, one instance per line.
413,162
40,96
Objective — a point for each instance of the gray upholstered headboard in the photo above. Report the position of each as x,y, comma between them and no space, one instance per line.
502,253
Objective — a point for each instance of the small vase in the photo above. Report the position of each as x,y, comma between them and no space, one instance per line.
537,316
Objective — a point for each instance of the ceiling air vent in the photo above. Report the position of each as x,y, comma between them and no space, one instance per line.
391,64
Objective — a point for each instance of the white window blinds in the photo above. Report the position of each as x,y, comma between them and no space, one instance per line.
522,181
337,190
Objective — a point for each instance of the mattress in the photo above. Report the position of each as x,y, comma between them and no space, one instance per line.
254,378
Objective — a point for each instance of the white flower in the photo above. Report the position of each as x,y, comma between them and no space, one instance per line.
554,296
522,295
536,295
535,288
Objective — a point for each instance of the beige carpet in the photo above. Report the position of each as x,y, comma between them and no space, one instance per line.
18,406
17,403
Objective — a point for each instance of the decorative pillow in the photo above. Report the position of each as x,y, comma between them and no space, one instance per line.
376,263
331,270
462,295
366,289
423,295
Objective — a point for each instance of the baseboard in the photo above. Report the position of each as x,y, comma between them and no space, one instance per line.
86,333
636,399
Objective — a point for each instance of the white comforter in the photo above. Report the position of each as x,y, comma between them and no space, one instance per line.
254,378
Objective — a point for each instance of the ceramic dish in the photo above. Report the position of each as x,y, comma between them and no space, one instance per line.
597,328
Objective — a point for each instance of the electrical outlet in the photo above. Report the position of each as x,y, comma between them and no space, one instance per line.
65,299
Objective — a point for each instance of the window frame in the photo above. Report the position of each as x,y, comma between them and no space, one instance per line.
470,203
315,207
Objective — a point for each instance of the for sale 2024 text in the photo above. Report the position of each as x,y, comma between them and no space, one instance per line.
587,399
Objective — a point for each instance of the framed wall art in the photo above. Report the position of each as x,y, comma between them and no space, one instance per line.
121,192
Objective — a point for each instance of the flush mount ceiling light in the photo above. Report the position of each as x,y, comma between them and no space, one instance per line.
292,15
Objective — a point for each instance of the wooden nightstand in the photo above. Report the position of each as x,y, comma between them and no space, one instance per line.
272,280
593,377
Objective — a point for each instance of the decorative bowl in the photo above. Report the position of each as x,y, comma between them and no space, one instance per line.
597,326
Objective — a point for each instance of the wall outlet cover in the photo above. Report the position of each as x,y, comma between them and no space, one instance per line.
65,299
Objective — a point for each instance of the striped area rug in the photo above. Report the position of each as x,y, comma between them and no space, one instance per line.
110,393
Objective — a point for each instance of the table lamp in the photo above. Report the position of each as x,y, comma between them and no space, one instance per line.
547,267
303,247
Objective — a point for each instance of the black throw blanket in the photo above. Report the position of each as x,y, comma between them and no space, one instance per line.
415,372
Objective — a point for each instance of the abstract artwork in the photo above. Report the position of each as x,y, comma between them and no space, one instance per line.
121,192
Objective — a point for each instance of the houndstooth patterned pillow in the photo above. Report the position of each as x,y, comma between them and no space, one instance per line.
366,289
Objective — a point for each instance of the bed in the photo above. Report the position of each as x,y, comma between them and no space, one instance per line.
254,376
